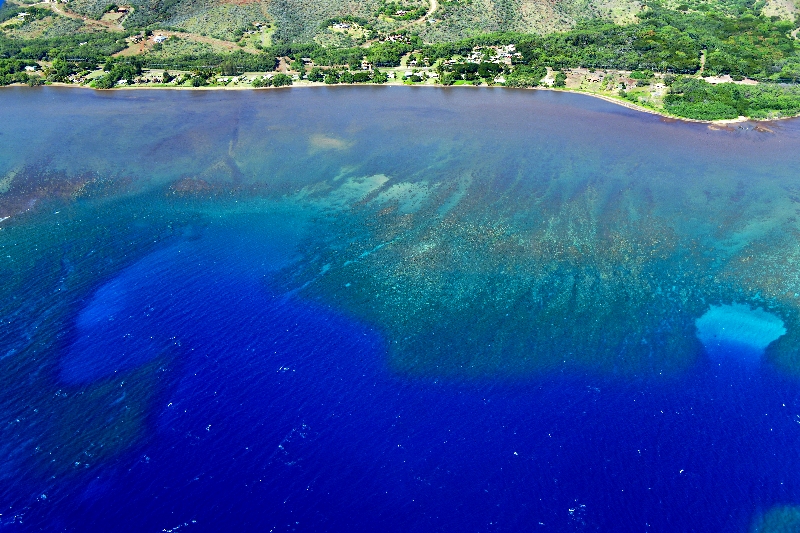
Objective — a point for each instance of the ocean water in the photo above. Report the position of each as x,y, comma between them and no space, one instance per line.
394,309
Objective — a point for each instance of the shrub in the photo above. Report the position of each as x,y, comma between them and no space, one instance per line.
379,77
316,74
642,74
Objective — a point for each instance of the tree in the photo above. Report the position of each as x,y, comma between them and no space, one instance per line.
448,78
379,77
262,82
560,80
281,80
60,71
228,68
346,77
316,74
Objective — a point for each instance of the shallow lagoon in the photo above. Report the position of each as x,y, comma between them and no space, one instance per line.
338,309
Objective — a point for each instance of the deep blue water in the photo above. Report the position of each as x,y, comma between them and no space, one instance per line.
161,326
284,418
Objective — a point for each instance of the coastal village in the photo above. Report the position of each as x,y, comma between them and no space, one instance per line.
148,58
413,71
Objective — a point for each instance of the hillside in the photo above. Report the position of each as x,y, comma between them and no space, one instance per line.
281,22
286,21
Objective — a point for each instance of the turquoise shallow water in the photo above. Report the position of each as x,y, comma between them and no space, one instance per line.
338,308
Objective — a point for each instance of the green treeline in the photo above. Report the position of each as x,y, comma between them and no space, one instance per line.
228,64
94,47
698,99
334,76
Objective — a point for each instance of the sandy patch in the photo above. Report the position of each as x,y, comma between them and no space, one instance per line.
727,79
738,329
319,142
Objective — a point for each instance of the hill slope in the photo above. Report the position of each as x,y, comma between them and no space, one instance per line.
304,20
294,21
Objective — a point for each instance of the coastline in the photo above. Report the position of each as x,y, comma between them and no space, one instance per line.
618,101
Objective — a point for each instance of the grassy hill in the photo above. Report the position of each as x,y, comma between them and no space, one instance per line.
305,20
456,19
297,21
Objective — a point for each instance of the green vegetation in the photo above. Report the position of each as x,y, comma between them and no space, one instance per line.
226,21
399,11
223,63
470,71
525,76
657,59
13,71
698,99
117,72
24,14
300,20
334,76
278,80
281,80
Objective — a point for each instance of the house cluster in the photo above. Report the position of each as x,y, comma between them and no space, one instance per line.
342,26
497,54
423,75
396,38
400,13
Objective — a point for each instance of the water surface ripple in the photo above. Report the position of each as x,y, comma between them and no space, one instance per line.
394,309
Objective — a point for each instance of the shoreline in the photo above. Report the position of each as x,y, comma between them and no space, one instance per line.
607,98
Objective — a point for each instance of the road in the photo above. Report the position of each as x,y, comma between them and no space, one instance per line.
423,18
